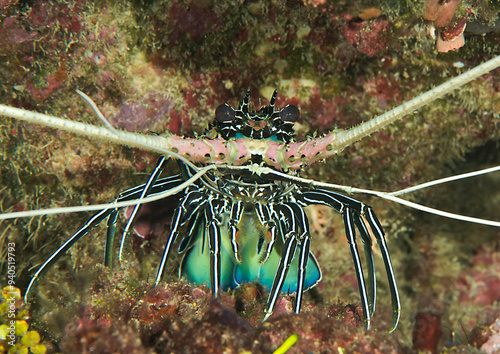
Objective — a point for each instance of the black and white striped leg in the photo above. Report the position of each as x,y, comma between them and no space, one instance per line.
367,245
266,216
360,212
351,220
234,219
289,231
196,218
379,235
110,238
305,245
286,258
356,208
190,205
158,186
213,209
351,240
146,190
96,219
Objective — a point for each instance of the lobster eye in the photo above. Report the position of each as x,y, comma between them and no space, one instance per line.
224,113
290,113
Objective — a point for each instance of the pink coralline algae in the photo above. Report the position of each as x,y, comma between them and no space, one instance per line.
148,114
492,344
191,21
481,284
384,89
427,332
15,32
175,317
46,28
329,113
53,81
368,37
33,29
172,317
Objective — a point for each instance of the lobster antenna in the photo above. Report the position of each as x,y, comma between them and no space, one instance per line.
148,142
333,143
284,156
347,137
76,209
388,196
444,180
97,111
430,210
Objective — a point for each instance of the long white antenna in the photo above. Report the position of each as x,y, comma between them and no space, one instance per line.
444,180
77,209
347,137
97,111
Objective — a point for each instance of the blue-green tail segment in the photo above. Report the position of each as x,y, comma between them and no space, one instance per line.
195,264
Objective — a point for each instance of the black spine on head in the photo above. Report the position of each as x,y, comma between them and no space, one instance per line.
229,122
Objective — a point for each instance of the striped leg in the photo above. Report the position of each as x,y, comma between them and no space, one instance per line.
355,212
190,205
110,238
379,235
289,230
236,213
152,187
266,216
147,187
305,245
366,212
131,194
194,223
348,208
213,212
367,245
350,232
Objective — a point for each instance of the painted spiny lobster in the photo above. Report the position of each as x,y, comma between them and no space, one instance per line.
238,211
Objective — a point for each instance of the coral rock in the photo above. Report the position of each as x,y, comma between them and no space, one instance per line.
368,37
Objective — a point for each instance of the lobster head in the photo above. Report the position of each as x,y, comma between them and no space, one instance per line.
266,123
